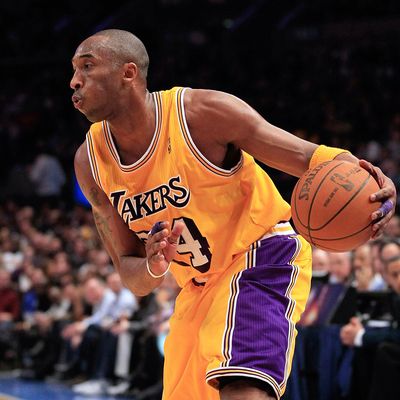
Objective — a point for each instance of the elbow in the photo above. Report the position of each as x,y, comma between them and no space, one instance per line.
136,289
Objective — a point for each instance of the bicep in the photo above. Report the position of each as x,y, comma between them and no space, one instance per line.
231,120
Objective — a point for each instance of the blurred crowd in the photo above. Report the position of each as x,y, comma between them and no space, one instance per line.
359,291
64,314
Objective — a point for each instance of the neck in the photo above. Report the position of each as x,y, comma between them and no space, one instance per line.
133,130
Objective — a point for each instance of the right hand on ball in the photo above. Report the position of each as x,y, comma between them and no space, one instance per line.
386,195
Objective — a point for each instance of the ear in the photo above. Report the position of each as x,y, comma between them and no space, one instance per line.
131,71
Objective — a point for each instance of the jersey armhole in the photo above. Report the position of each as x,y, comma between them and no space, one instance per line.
180,106
92,160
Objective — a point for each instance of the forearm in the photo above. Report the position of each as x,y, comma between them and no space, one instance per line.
135,276
132,269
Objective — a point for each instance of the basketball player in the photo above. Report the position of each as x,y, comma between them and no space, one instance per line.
178,163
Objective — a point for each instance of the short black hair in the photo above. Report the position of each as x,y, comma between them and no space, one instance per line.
126,47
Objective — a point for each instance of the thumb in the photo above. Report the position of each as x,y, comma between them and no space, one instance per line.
176,232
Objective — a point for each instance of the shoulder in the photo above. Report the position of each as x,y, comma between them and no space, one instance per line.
81,159
212,100
218,113
82,168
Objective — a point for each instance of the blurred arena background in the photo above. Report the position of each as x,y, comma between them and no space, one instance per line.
325,70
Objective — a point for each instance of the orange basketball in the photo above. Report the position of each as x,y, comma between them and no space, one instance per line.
331,207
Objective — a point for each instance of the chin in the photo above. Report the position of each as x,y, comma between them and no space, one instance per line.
93,118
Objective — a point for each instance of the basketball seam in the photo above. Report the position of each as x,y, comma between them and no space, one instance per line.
344,237
312,200
315,194
297,214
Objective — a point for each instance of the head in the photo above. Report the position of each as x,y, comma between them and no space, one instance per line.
375,255
114,282
392,273
94,290
320,260
5,279
362,257
389,249
340,266
392,229
109,67
362,266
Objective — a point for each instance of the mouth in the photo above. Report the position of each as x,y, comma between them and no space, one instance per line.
77,101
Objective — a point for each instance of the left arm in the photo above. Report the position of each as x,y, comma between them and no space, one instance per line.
217,119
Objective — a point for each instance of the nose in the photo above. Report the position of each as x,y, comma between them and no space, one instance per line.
76,81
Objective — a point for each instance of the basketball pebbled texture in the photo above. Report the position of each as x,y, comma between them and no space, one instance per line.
331,207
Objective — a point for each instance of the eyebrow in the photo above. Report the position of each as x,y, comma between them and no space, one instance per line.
85,55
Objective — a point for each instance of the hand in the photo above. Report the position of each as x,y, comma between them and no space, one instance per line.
68,331
161,246
386,195
120,327
349,332
73,329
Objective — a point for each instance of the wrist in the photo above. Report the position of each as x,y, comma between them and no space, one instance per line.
358,339
325,153
152,274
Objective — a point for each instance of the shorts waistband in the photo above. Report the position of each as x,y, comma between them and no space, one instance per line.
283,228
280,229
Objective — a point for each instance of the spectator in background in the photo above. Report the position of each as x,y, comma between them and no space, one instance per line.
392,229
125,301
9,314
48,176
320,276
9,299
99,263
378,283
131,356
125,304
36,298
39,359
389,248
81,337
362,268
372,347
10,254
102,299
340,267
147,329
320,263
386,372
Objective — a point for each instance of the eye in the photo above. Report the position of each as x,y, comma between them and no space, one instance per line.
87,65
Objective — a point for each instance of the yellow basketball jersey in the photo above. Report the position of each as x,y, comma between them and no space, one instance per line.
224,211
